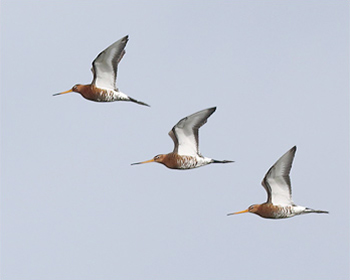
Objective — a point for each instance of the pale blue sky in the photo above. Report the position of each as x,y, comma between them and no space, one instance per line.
73,208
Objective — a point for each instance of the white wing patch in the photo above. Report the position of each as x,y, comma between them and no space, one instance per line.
185,132
106,63
187,144
277,180
104,76
280,194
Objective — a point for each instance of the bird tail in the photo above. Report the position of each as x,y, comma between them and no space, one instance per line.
222,161
138,102
309,210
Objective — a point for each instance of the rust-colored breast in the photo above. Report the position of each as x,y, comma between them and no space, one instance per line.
91,92
170,161
175,161
269,211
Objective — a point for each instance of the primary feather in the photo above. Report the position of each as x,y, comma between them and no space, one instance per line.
185,132
277,180
105,65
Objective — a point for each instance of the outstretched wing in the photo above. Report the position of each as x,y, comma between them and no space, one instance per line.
277,180
185,132
105,65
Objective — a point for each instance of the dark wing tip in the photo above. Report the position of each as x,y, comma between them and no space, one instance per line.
213,109
293,150
209,111
125,38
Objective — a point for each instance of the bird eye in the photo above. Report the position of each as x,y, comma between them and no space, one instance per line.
156,157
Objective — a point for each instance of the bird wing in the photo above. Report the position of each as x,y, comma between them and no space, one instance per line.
277,180
185,132
105,65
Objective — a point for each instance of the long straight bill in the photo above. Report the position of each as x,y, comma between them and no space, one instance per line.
147,161
240,212
63,92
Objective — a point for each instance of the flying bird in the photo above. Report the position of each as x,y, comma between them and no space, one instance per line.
279,204
104,69
186,154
